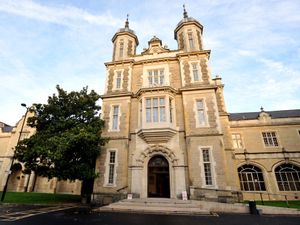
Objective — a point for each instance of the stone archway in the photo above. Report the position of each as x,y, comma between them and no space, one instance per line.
158,177
139,171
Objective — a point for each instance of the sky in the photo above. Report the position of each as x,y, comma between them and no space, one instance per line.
255,47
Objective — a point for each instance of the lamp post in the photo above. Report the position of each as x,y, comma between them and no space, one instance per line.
13,158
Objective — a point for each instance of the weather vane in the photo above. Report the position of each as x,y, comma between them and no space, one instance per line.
127,23
184,12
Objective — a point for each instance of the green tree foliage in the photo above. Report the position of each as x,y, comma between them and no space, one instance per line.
67,139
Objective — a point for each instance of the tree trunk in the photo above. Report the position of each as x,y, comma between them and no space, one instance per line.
87,190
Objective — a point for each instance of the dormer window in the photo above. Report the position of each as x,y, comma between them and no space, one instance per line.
156,77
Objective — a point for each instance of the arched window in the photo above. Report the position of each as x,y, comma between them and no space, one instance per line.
251,178
288,177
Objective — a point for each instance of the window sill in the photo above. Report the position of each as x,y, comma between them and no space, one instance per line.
109,185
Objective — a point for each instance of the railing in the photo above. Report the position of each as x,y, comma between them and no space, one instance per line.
120,189
270,196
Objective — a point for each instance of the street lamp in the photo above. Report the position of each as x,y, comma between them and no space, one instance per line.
13,158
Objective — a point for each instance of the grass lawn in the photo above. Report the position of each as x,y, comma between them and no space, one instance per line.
292,204
39,198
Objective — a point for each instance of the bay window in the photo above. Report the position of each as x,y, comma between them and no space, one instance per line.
155,110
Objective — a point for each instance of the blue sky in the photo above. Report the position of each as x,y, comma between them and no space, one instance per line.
255,47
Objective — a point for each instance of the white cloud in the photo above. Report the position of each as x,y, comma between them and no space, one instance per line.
254,45
64,15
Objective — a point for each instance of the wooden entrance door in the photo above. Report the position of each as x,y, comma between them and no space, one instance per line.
158,177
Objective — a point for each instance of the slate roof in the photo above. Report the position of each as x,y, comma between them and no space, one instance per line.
274,115
5,128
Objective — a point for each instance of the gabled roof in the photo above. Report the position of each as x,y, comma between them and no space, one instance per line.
273,114
5,127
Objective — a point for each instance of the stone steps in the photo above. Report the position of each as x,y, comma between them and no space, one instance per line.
189,207
157,206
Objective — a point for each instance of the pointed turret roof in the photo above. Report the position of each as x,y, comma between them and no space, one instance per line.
127,30
186,20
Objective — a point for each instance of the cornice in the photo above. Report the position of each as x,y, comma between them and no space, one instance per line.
116,95
155,60
206,87
187,54
257,123
119,62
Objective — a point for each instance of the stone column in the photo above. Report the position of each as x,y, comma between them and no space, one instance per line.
31,182
136,181
26,182
179,181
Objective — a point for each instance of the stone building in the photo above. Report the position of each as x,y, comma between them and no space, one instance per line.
170,132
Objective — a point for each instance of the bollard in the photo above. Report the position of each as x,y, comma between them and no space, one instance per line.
252,207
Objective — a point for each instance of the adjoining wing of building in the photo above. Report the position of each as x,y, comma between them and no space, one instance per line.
170,132
21,180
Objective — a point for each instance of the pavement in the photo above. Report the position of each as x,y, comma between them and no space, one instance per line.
84,216
13,212
137,210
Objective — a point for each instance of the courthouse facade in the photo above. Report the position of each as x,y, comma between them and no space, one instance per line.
170,131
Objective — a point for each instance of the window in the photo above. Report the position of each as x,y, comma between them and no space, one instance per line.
288,177
115,118
251,178
200,113
195,72
207,167
156,77
141,112
191,41
171,110
237,141
270,139
118,79
155,110
112,162
121,53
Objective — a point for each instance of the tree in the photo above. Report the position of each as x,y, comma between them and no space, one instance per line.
67,140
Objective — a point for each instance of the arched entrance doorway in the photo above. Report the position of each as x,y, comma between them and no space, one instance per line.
158,177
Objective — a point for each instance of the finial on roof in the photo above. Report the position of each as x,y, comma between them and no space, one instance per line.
127,22
262,109
185,15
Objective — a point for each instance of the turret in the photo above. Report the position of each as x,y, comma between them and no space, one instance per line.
125,42
188,33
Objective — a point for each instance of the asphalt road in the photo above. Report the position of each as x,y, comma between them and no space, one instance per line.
84,216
